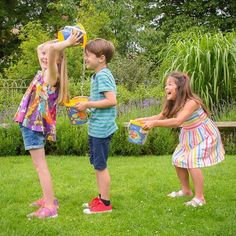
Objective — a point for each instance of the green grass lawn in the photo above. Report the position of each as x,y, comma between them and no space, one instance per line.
138,194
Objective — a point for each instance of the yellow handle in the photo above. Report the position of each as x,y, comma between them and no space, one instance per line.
76,100
136,122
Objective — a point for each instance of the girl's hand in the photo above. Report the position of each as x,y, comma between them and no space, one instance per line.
74,38
140,119
82,106
148,125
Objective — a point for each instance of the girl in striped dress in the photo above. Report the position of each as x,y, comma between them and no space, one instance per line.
200,143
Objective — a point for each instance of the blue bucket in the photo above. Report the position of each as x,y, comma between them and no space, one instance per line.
77,117
136,133
67,30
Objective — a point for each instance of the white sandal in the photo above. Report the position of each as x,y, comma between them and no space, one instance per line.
195,202
180,193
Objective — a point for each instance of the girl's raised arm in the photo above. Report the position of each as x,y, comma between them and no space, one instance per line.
55,56
39,52
42,52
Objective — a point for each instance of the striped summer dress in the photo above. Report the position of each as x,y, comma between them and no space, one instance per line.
200,143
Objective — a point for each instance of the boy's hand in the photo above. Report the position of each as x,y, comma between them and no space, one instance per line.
148,125
82,106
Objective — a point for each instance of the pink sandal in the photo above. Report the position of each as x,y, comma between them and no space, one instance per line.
43,213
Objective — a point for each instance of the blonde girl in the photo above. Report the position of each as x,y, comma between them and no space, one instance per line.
36,115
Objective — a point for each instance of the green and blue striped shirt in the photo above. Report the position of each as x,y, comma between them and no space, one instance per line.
102,120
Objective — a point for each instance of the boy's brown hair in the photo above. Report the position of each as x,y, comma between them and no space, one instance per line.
101,47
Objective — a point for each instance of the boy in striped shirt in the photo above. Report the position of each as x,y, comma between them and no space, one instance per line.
98,53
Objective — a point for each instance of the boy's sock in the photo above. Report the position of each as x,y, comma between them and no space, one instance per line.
106,202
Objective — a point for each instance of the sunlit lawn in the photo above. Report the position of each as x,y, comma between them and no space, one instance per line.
138,194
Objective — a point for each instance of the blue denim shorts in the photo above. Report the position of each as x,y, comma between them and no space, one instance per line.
99,149
32,139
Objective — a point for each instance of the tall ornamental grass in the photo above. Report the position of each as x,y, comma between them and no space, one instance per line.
210,60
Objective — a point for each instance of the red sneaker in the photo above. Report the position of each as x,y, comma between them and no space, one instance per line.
99,208
94,202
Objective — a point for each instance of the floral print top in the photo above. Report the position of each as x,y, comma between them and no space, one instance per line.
37,110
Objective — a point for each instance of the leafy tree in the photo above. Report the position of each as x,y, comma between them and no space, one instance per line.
13,15
178,15
31,36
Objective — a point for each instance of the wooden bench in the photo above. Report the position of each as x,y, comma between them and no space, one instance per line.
4,125
226,124
220,124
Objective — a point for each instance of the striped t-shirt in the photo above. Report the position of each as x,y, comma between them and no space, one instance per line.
102,120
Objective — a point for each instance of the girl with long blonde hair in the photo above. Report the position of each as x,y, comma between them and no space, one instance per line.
36,115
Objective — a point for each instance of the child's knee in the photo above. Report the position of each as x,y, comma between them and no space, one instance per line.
100,166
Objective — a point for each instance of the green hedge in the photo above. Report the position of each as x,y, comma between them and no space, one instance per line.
11,142
73,140
159,142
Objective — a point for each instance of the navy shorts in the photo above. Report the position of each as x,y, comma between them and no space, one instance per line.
99,149
32,139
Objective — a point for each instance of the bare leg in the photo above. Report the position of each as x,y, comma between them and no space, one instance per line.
198,182
39,160
183,176
97,179
103,183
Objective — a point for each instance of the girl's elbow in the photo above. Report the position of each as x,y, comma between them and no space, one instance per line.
178,123
51,48
175,126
